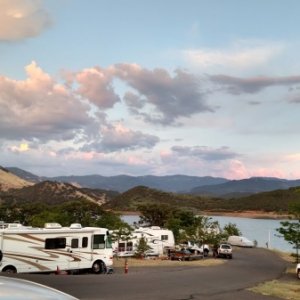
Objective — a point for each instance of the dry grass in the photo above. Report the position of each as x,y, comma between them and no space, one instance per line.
280,289
134,262
9,180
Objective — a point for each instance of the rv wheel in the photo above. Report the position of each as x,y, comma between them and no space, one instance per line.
10,269
98,267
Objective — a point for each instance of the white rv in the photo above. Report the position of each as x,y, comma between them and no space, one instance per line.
27,249
157,238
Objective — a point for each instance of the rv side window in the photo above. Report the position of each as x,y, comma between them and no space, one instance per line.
99,242
164,237
121,247
129,246
74,243
84,242
56,243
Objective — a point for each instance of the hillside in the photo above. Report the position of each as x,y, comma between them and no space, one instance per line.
26,175
274,201
9,180
130,200
56,192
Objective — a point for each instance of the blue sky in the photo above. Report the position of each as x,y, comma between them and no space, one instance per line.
150,87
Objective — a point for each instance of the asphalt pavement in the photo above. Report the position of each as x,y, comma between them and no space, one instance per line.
226,281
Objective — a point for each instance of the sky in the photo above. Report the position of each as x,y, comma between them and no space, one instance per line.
137,87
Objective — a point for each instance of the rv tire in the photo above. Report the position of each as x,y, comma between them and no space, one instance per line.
9,269
98,267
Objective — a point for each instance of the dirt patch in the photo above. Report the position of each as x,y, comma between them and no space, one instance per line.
134,262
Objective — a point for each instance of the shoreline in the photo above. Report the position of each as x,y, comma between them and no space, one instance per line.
240,214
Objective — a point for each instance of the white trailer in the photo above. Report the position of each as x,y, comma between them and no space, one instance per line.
28,250
158,239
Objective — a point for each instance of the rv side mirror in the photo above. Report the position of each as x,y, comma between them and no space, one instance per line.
1,255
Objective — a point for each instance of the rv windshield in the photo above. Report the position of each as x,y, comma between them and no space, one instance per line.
99,241
108,242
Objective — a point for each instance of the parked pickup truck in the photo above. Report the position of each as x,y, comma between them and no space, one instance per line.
298,271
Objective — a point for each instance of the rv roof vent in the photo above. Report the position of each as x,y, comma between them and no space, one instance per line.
52,225
75,226
14,226
155,227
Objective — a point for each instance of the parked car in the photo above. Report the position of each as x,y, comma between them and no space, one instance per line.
224,250
298,271
182,254
20,289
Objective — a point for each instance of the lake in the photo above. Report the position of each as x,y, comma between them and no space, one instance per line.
261,230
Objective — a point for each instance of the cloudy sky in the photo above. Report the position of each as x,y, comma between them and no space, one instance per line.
196,87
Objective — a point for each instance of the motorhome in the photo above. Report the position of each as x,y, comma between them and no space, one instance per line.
240,241
158,239
28,250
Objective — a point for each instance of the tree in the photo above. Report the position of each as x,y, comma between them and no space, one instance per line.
291,229
231,229
155,214
142,247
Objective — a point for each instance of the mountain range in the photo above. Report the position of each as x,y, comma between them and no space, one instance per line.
14,190
208,186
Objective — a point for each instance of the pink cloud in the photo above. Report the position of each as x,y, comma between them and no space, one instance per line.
95,84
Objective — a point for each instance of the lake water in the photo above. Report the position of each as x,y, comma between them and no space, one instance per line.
261,230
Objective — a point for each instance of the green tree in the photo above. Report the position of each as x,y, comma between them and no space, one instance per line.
142,247
231,229
291,229
155,214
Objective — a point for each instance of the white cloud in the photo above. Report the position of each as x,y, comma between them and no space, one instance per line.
242,55
21,19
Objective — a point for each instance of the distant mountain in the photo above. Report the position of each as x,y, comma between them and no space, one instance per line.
26,175
122,183
50,192
9,180
244,187
211,186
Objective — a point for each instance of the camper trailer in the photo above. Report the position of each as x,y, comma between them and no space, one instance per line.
28,250
158,239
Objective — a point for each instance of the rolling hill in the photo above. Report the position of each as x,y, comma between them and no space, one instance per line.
9,180
53,193
274,201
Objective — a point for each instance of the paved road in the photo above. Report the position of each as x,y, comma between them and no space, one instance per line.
226,281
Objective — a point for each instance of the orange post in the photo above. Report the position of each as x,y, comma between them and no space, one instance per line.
126,266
